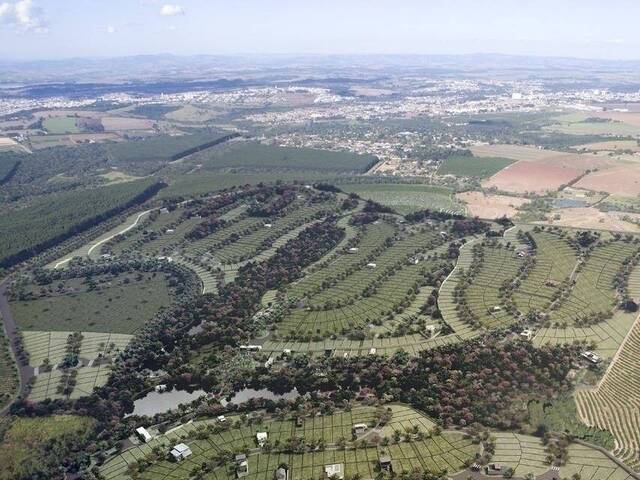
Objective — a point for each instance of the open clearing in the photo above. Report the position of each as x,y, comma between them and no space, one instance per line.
592,218
611,123
114,124
491,206
515,152
613,145
60,125
118,307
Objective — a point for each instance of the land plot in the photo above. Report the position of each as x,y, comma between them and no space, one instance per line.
533,177
121,306
407,198
622,180
491,206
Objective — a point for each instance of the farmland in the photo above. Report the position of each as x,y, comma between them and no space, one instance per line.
406,198
435,452
60,125
470,166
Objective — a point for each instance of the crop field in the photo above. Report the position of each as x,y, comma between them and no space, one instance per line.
27,435
622,180
60,125
497,266
470,166
526,454
119,307
555,261
8,372
407,198
579,124
515,152
491,206
256,156
435,453
362,295
614,404
52,345
593,293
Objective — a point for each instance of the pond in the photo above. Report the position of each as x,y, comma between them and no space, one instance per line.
247,394
161,402
569,203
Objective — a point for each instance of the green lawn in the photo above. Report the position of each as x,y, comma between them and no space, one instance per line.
60,125
467,166
119,308
407,198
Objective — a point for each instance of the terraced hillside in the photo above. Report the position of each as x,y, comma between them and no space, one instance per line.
615,404
593,296
433,453
555,261
480,296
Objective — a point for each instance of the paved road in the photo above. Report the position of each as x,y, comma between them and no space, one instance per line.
25,371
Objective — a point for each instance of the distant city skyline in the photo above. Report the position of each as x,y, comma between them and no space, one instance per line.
57,29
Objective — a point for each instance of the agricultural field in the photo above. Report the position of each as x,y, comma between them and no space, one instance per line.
407,198
471,166
434,453
256,156
61,125
583,124
21,444
116,304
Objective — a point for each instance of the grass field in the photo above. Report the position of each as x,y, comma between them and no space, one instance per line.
60,125
118,307
469,166
407,198
20,444
256,156
578,124
446,451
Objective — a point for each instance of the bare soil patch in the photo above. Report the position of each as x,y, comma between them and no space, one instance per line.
491,206
533,177
621,180
126,123
592,218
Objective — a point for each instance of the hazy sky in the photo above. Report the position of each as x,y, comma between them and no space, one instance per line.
42,29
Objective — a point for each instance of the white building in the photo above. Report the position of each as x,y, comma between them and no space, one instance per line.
143,434
262,438
334,471
180,452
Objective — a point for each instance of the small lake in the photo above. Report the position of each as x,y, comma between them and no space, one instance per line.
247,394
157,402
569,203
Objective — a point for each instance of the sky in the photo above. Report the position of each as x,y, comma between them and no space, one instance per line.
56,29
